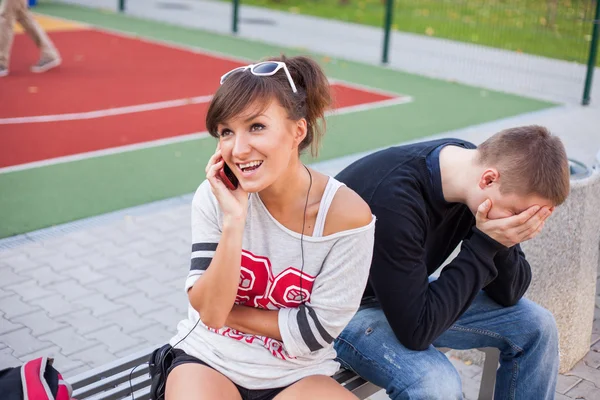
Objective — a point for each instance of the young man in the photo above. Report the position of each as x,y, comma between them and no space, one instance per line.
16,10
428,197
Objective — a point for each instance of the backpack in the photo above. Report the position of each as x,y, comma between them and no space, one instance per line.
34,380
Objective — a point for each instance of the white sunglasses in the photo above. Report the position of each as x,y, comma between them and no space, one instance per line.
267,68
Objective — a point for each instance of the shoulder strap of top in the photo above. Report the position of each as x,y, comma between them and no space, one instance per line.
328,195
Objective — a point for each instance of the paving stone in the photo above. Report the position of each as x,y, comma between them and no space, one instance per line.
566,383
165,273
56,305
113,234
44,275
464,370
20,262
559,396
98,304
177,299
61,362
95,356
29,290
112,288
69,341
114,338
142,345
151,235
122,274
98,261
7,360
152,288
7,325
146,248
5,292
584,390
9,277
70,289
155,334
134,260
127,320
109,249
84,237
85,274
83,321
13,306
22,342
174,257
583,371
169,317
37,251
470,388
72,249
6,254
71,373
39,323
139,302
61,262
592,359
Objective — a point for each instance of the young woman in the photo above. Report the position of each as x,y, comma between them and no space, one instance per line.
263,328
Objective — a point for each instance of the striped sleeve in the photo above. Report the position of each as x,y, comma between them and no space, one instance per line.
335,297
206,233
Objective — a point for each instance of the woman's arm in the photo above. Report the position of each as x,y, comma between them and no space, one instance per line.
255,321
213,296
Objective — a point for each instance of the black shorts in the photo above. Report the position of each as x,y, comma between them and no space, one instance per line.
181,357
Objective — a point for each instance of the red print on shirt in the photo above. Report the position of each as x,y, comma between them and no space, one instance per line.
259,288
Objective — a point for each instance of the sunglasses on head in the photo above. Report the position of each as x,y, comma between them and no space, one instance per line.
267,68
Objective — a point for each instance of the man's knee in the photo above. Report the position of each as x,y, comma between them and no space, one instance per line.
542,323
442,382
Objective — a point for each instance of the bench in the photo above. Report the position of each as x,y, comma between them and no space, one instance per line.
118,380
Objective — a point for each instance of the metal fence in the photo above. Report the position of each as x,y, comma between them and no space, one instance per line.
566,30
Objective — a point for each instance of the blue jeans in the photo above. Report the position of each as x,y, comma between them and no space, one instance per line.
525,334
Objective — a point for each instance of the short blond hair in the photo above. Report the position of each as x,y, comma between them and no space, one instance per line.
530,160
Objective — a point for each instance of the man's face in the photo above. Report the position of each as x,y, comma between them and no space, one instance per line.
509,204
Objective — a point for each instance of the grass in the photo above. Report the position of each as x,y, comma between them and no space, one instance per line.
552,28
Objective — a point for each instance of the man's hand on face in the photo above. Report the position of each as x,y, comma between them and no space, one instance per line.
512,230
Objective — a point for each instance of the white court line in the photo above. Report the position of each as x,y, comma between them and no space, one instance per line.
105,152
107,112
183,138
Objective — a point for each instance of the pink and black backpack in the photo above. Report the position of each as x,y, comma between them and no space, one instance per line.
35,380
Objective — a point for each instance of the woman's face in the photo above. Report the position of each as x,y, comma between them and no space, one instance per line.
258,145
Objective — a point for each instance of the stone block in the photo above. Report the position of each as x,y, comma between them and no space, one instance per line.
564,262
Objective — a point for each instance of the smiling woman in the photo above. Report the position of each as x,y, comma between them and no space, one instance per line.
264,327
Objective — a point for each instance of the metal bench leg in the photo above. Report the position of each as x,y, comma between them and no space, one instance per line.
488,377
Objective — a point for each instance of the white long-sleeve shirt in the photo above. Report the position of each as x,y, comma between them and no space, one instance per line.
332,281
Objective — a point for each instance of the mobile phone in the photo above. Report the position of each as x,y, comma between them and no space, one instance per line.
228,177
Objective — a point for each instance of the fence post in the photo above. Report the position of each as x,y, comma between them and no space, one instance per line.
592,57
234,24
121,5
389,14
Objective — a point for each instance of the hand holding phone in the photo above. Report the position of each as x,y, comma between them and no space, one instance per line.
228,177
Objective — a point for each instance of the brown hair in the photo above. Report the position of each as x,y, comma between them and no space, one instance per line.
241,90
530,160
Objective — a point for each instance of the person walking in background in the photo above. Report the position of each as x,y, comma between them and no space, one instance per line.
17,10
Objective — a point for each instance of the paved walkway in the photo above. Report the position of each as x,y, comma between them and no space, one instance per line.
95,290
